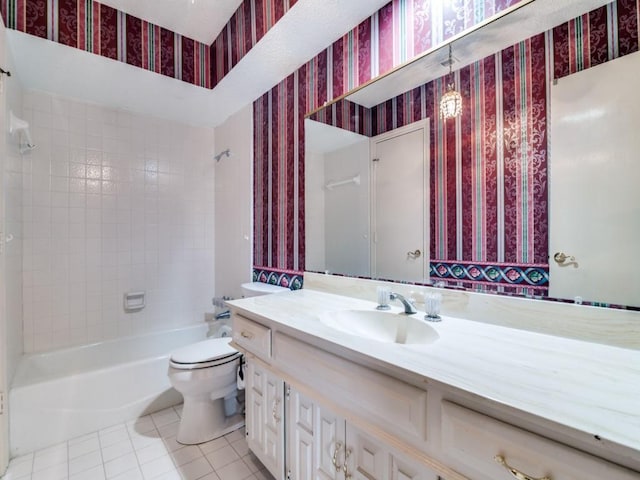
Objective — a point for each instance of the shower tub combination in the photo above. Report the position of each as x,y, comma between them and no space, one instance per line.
56,396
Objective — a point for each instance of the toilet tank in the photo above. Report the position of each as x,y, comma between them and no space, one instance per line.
254,289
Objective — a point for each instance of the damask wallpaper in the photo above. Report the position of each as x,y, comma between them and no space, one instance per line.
489,212
488,168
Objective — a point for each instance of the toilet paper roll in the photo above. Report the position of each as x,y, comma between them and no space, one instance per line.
224,331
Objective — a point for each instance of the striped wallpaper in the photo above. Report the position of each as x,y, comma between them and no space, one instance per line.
100,29
393,35
246,27
488,167
105,31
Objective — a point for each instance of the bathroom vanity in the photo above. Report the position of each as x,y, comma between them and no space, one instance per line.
474,400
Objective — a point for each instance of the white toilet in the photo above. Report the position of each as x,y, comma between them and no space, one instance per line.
205,373
255,289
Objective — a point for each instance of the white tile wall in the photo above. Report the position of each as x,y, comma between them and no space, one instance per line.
11,221
234,203
113,202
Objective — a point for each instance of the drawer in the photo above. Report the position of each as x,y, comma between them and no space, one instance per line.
396,407
471,441
254,337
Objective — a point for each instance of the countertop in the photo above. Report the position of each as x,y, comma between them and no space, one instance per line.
590,387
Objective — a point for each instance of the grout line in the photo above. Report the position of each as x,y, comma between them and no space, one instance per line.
100,448
246,459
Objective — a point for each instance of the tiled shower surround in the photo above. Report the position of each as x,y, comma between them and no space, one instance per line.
113,203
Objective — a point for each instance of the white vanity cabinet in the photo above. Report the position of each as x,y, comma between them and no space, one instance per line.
316,412
323,445
264,406
319,443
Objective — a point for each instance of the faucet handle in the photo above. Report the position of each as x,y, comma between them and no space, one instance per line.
384,295
432,303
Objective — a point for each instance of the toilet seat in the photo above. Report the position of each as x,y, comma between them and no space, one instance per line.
205,354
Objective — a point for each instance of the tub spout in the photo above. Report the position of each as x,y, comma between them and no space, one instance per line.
225,314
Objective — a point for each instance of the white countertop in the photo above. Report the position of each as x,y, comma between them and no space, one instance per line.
591,387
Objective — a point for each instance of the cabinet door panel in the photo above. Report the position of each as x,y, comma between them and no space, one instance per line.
300,436
265,417
330,441
368,459
254,408
314,436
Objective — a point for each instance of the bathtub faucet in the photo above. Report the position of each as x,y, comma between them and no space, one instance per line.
225,314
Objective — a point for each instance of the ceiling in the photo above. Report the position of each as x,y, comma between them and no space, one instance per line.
48,66
201,20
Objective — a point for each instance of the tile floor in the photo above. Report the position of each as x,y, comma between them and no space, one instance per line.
142,449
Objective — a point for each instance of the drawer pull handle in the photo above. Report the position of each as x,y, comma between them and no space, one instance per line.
247,335
347,475
515,472
274,410
334,460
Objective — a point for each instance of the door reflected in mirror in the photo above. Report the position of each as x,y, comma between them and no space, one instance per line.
366,202
336,208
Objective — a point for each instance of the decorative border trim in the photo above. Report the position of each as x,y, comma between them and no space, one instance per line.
535,276
291,279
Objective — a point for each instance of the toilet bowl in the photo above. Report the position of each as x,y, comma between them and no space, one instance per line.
255,289
205,374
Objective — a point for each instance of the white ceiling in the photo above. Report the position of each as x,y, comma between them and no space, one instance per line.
201,20
304,31
48,66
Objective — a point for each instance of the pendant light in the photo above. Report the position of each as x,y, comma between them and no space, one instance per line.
451,101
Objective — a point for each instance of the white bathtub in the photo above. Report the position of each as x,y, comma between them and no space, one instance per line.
56,396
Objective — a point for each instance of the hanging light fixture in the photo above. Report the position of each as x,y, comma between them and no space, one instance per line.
451,101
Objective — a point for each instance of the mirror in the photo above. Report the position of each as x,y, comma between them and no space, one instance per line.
360,192
467,205
336,200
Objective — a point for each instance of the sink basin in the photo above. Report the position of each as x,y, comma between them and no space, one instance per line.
384,327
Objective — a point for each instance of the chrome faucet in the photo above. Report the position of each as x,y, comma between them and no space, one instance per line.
409,309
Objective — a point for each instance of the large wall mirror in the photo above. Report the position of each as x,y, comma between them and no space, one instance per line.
591,170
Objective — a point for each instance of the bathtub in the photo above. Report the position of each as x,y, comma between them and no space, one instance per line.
59,395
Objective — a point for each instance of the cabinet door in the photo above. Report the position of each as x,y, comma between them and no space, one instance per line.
370,458
315,439
367,458
265,417
254,402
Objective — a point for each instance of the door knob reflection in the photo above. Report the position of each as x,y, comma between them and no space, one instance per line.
561,257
